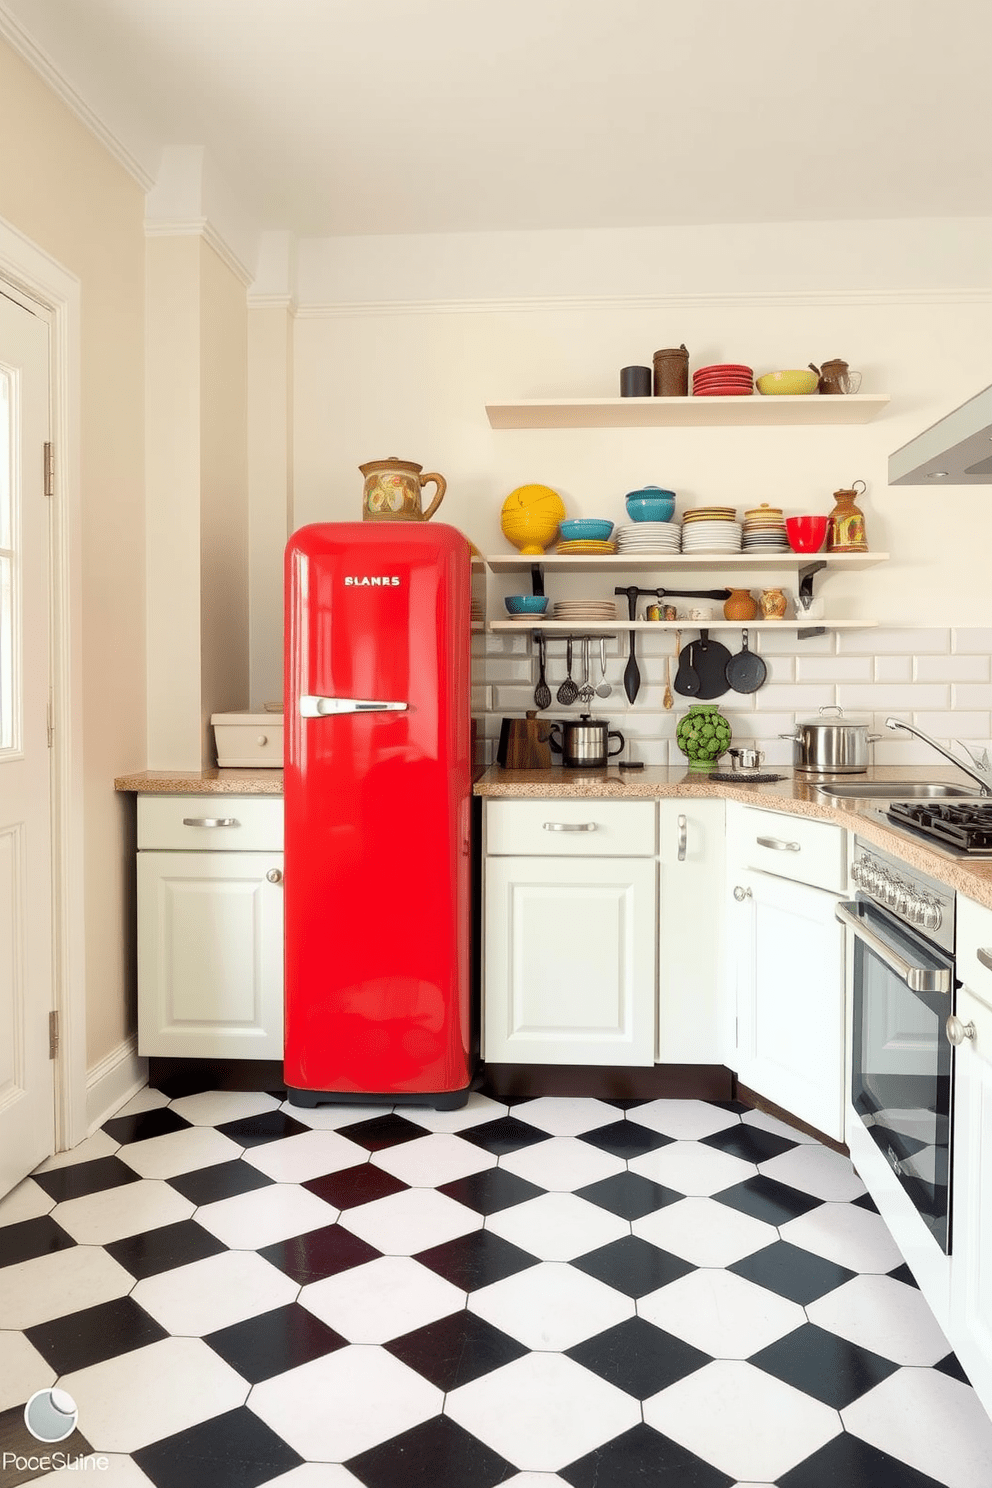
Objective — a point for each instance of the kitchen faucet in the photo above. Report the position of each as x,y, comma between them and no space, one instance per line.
983,778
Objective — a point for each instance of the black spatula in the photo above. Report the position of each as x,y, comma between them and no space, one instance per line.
632,673
686,678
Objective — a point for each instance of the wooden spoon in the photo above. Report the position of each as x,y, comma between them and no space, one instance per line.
668,701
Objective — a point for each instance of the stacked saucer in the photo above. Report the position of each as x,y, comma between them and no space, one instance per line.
574,610
586,545
723,379
764,530
649,537
711,529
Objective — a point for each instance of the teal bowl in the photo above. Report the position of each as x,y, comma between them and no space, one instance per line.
650,504
585,529
526,604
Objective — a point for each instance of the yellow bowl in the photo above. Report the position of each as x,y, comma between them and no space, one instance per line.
788,384
530,516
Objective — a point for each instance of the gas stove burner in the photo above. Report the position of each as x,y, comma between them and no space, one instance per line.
965,826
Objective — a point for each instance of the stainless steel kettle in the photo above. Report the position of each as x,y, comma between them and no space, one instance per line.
584,742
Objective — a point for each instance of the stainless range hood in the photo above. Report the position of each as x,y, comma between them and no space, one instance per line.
956,451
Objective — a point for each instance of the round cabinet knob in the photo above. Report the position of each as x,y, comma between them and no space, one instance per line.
262,740
957,1031
740,893
274,875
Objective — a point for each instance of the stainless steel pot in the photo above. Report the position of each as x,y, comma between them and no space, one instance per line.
831,746
584,742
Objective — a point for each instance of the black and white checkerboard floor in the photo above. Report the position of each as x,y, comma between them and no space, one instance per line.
563,1291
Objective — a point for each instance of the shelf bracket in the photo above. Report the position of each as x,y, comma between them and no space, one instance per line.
804,598
537,579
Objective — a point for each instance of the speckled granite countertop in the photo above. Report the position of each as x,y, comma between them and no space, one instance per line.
796,794
202,782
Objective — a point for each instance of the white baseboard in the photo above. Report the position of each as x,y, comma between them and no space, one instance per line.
118,1076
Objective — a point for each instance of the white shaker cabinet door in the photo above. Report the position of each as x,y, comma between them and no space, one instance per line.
971,1231
210,954
570,960
789,954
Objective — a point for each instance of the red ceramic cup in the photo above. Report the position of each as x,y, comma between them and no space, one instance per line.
806,534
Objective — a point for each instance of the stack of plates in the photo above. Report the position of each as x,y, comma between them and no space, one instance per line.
711,529
764,530
586,545
723,379
649,537
584,609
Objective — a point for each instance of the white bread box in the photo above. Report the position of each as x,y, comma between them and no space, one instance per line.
248,740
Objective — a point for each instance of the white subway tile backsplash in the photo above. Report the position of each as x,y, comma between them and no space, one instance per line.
952,668
894,696
833,668
907,642
953,725
971,696
787,643
939,679
792,698
893,668
971,639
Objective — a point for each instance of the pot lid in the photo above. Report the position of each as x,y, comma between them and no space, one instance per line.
832,715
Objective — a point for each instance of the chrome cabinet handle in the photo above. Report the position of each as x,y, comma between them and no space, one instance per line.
778,844
570,826
274,875
917,978
683,837
740,894
957,1031
985,957
210,821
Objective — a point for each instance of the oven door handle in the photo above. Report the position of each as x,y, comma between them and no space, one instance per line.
917,978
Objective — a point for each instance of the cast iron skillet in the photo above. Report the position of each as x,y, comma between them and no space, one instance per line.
746,672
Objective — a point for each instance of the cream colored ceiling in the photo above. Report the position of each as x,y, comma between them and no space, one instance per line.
332,117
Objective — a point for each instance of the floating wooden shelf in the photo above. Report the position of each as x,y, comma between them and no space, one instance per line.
610,627
616,563
644,413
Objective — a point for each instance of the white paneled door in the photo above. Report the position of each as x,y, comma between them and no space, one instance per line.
26,962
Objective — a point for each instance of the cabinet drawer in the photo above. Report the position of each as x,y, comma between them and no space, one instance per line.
571,828
207,823
793,847
974,936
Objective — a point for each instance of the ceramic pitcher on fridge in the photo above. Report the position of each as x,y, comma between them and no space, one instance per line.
392,491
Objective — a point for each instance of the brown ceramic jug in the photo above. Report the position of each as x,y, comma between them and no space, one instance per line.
392,491
740,606
846,523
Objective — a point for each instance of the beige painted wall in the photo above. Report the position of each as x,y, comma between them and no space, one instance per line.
383,366
223,596
63,191
270,487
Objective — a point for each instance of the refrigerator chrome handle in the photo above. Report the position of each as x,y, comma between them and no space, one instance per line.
323,707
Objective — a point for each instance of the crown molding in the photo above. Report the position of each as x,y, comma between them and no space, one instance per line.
333,310
202,227
27,48
271,302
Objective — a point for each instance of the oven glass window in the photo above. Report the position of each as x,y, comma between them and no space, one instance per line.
901,1074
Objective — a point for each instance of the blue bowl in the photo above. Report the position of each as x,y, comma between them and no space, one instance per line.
526,604
650,504
585,529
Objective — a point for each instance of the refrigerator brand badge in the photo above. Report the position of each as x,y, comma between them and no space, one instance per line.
373,581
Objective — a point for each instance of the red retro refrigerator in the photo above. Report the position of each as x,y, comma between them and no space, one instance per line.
377,781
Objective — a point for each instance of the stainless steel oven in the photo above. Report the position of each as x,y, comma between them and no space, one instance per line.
902,924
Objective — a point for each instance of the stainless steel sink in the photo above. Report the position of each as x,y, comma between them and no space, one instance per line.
893,790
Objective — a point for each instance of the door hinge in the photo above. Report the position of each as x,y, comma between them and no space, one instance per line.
53,1035
49,469
50,720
